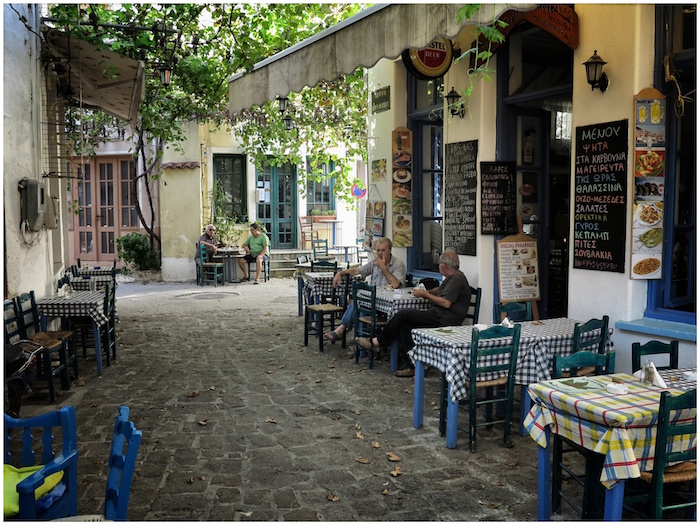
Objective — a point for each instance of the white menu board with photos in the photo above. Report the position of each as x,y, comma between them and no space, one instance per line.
518,275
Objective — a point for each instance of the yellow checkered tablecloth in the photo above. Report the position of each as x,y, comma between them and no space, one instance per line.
621,427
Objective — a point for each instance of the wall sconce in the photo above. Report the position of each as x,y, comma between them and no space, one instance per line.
452,97
165,72
282,104
594,72
288,122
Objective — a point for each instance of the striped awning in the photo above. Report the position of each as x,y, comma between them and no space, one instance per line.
383,31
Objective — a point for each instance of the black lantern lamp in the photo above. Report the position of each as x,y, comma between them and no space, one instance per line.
282,104
165,72
288,122
452,97
594,72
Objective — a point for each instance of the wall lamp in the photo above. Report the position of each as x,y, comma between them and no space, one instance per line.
288,122
594,72
282,104
452,97
165,72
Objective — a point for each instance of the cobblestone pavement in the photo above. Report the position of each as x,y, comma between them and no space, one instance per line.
241,422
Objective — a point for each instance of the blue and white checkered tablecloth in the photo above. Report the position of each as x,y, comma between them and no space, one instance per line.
448,349
95,270
78,304
318,284
391,301
80,283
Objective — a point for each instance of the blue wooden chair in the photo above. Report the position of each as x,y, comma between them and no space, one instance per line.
655,348
592,504
669,488
514,311
51,458
320,248
489,357
126,441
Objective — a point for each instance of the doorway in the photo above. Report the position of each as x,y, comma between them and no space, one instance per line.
275,195
534,128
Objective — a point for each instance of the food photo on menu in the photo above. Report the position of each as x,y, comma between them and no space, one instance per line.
649,163
401,159
646,266
648,214
401,191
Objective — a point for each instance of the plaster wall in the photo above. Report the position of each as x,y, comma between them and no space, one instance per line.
29,257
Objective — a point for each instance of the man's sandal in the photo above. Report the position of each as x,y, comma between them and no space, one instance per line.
332,337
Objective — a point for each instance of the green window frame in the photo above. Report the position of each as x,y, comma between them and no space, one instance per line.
230,171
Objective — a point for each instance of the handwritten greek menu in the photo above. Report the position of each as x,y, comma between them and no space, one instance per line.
459,217
600,193
498,199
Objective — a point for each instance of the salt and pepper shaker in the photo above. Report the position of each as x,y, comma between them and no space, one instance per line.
647,373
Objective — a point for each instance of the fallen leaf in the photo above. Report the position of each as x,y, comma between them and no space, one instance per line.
194,393
364,461
191,480
500,484
79,381
270,420
319,381
270,372
512,463
99,462
376,444
359,435
282,366
203,478
312,408
358,426
385,492
203,422
396,472
336,417
357,411
212,388
493,505
333,497
392,457
171,471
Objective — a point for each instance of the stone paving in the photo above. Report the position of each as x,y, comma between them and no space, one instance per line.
241,422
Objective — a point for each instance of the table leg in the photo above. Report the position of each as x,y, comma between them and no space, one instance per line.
98,346
394,358
613,502
235,271
452,413
418,394
300,289
544,481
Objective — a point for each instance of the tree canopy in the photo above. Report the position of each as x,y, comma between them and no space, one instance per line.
207,43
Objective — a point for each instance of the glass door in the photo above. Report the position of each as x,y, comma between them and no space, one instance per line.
276,203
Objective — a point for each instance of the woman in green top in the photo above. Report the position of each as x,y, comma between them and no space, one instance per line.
256,247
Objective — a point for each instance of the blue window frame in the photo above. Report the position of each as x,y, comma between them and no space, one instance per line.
672,298
230,172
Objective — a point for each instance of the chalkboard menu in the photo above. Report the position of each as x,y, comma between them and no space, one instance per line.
600,205
498,200
459,217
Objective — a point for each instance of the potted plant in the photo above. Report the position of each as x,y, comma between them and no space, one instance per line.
319,215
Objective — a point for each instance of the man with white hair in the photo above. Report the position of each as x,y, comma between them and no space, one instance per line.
451,304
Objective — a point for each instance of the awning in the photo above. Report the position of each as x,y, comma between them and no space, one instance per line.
383,31
98,77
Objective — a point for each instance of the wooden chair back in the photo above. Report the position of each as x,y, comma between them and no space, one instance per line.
514,311
602,363
306,228
655,348
591,335
126,441
324,265
474,306
320,248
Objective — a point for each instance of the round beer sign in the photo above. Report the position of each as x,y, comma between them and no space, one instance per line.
430,62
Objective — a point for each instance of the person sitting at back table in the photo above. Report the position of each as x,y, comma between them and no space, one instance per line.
451,300
255,248
385,269
208,239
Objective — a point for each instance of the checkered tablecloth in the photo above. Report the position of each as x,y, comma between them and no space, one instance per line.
622,427
319,284
96,270
449,348
79,283
391,301
78,304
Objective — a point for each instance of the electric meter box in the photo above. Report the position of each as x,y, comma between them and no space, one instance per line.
33,206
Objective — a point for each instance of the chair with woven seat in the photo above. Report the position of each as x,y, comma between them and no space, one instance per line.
306,228
328,308
655,348
265,270
494,351
53,465
367,321
320,249
591,507
324,265
59,345
669,488
83,327
209,271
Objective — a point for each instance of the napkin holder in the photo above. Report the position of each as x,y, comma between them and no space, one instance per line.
652,375
507,323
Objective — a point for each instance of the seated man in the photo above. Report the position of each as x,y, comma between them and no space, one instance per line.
255,247
451,301
384,269
208,239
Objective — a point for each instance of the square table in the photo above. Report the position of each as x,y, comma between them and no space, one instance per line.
95,270
78,304
230,256
80,283
389,302
622,427
449,348
300,271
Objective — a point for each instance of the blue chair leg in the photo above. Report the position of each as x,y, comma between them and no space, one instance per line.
544,486
418,394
